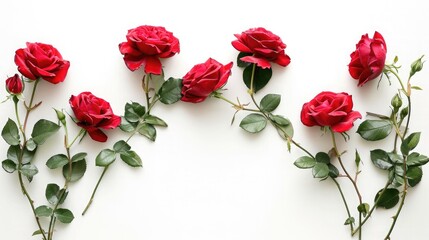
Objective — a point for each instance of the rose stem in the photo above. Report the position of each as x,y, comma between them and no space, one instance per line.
337,153
21,182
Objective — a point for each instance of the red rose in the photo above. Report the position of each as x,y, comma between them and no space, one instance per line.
203,79
145,45
264,46
367,62
14,85
328,109
93,113
41,60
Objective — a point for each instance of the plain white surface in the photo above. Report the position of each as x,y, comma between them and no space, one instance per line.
202,178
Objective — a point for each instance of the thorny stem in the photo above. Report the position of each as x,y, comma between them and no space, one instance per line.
67,181
30,107
353,181
345,203
21,182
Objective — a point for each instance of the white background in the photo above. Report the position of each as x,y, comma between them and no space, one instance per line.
202,178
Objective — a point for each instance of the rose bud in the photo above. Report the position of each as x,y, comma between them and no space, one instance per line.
14,85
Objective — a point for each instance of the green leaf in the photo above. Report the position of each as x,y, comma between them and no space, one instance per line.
79,156
64,215
105,158
127,126
29,170
57,161
240,63
373,130
389,198
134,111
148,131
380,159
38,232
395,158
410,143
51,193
42,130
13,152
414,175
9,166
261,77
305,162
357,158
43,211
171,91
416,88
349,221
323,157
152,120
10,133
363,208
121,146
416,159
333,171
253,123
78,170
283,126
30,145
320,170
270,102
131,158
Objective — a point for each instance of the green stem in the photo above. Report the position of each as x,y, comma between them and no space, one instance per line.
30,107
20,179
145,83
237,106
95,190
345,203
372,208
252,78
337,153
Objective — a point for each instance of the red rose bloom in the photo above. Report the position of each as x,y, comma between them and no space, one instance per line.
41,60
328,109
367,61
145,45
93,113
14,85
264,46
203,79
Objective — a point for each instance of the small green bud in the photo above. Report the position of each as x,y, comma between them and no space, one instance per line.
396,103
404,112
61,117
416,66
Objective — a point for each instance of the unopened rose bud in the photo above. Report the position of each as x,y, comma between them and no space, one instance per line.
404,113
14,85
61,117
396,103
416,66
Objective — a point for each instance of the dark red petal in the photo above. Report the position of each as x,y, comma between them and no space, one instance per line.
263,63
153,65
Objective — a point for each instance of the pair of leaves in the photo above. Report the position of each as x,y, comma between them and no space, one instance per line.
55,196
261,76
62,214
108,156
394,163
78,165
321,165
137,119
11,164
42,130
